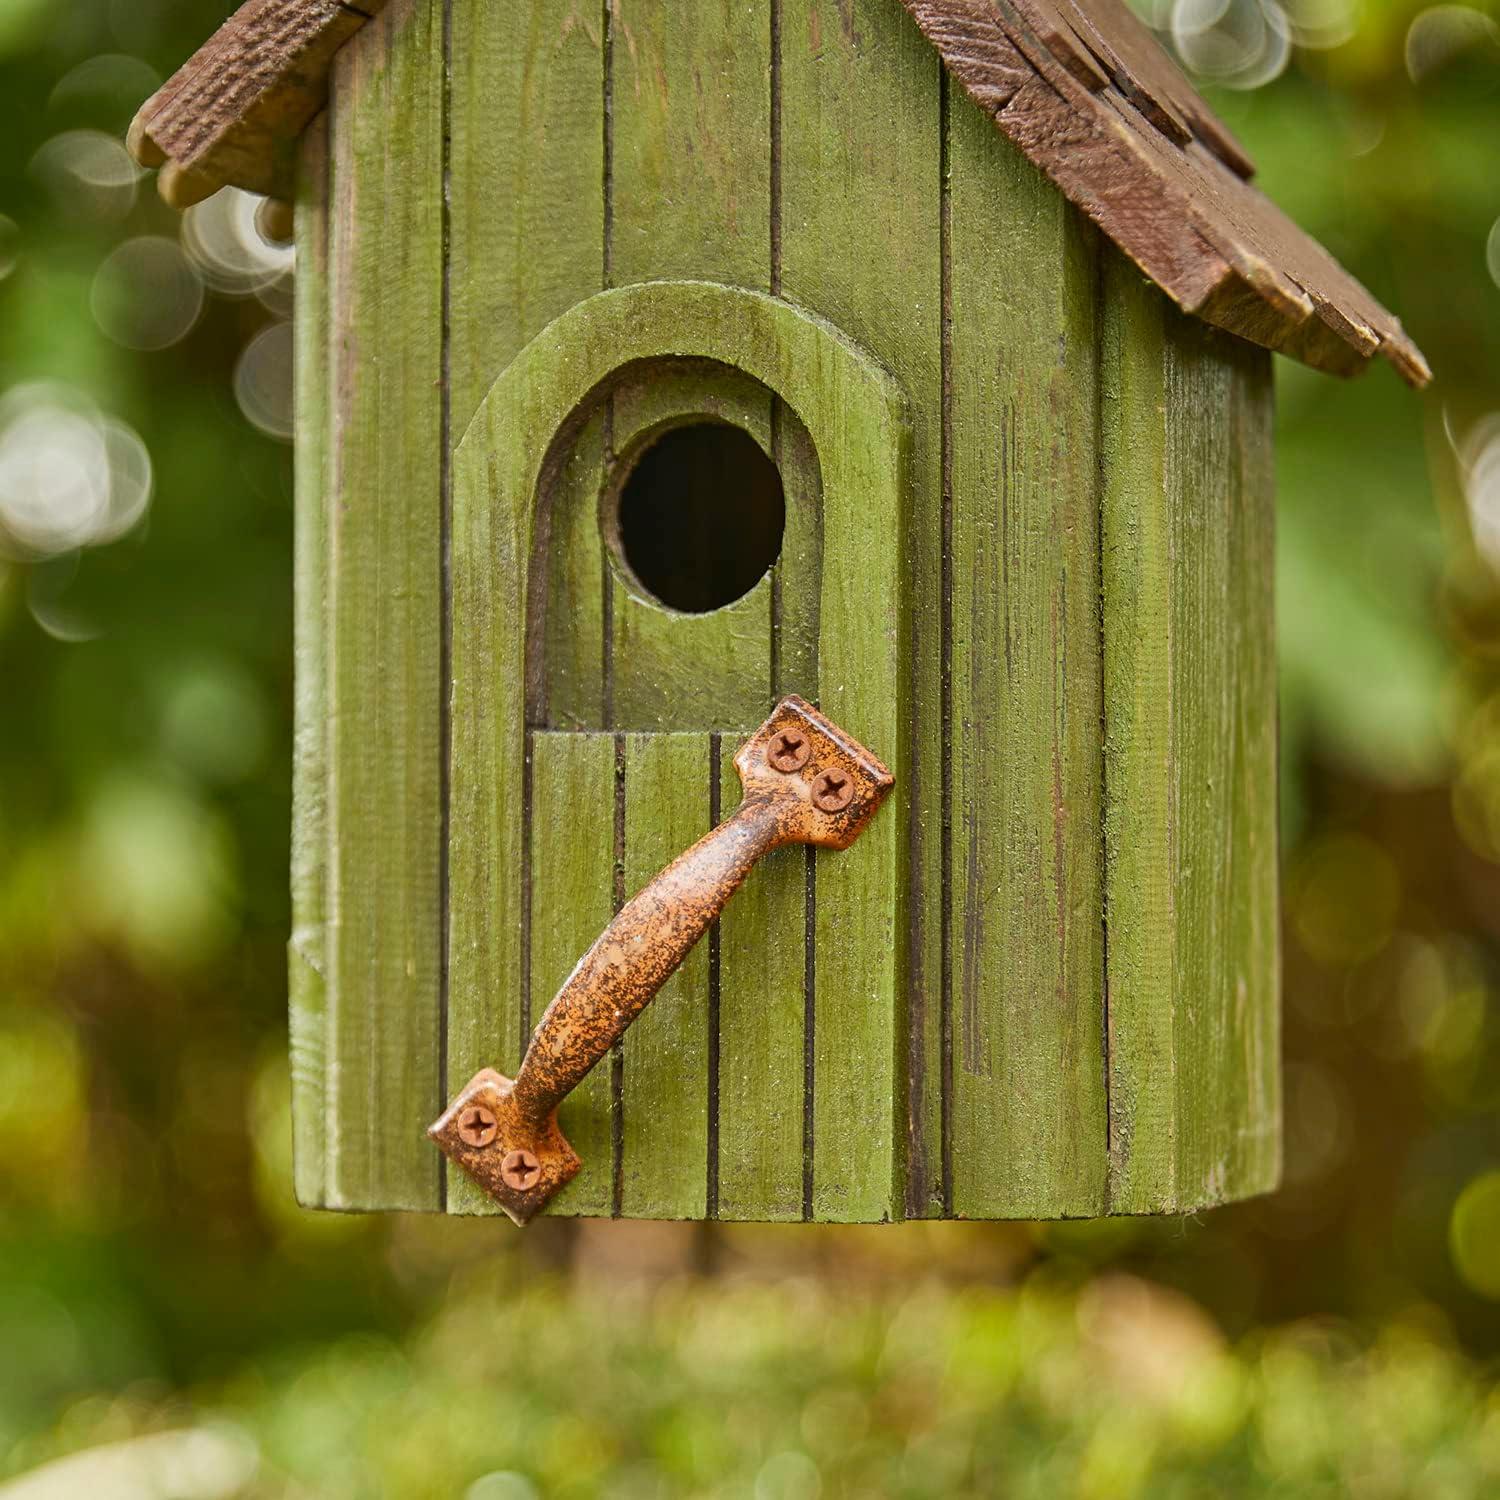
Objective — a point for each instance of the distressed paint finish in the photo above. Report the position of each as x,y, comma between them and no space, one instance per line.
855,418
664,1162
307,952
1190,716
1026,889
1071,1004
859,241
383,580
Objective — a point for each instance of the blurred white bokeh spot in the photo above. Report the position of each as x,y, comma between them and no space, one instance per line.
146,293
1441,33
197,1464
230,253
1240,44
89,174
70,476
1492,252
1479,464
115,80
263,380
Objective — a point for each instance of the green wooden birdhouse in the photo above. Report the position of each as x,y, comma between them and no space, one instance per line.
903,364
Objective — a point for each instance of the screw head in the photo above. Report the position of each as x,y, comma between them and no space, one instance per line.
520,1170
789,751
477,1126
833,792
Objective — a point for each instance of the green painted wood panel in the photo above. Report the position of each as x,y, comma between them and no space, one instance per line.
525,179
689,671
1223,709
526,241
858,236
1190,717
1027,975
762,1001
572,887
690,177
855,417
307,951
385,613
664,1167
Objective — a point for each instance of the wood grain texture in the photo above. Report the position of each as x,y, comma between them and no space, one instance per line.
859,242
308,949
1223,705
384,612
233,113
1027,979
855,416
762,966
571,894
1099,110
526,241
1084,89
664,1170
1190,716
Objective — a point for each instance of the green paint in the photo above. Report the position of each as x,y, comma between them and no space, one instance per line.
664,1165
854,416
571,902
384,614
1027,980
307,952
1106,720
762,964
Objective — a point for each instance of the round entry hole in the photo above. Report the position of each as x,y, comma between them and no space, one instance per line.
700,516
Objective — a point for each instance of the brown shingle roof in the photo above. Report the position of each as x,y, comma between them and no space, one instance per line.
1081,86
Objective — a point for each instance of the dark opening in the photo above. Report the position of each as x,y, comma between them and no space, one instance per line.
700,516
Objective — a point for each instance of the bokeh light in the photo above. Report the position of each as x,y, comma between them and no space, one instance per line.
263,380
147,294
1474,1235
90,175
231,254
70,476
1443,33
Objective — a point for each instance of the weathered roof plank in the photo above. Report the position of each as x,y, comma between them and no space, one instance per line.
1080,86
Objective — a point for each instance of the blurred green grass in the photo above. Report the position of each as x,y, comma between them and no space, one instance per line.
156,1277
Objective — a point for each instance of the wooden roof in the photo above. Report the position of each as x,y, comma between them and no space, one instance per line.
1081,86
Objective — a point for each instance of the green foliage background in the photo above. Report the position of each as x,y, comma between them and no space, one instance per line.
155,1278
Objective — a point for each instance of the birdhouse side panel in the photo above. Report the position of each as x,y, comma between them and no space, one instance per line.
368,952
1190,770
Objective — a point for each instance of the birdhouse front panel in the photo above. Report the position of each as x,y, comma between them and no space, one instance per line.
654,369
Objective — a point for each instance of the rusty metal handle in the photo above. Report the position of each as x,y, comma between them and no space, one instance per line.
805,782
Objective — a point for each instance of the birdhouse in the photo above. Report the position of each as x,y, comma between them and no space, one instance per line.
707,413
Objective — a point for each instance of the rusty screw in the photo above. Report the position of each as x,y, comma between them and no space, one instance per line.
789,751
519,1169
478,1127
834,792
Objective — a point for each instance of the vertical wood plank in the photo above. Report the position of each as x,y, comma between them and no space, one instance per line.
762,958
1223,728
859,238
691,164
572,900
384,586
526,179
307,952
1256,1143
526,243
665,1159
1141,886
1190,716
1028,982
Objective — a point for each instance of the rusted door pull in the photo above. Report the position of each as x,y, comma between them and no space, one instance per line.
805,782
